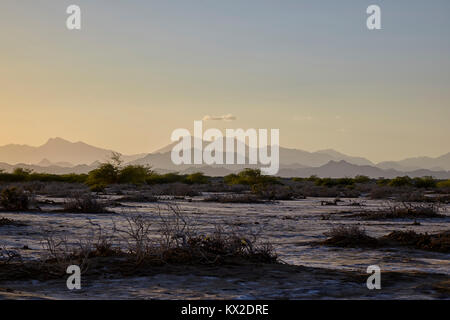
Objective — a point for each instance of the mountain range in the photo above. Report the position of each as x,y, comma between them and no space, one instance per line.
60,156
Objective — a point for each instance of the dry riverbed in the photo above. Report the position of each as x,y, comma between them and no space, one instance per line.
293,227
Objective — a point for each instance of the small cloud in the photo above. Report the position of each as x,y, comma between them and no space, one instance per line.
227,117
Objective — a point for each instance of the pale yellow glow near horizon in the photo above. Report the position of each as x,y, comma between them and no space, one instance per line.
126,86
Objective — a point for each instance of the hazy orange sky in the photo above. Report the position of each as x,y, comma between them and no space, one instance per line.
140,69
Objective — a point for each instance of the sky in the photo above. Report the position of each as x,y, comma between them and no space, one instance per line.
137,70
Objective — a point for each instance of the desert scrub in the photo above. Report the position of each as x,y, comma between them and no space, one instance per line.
138,197
382,192
14,199
443,184
175,189
196,178
84,203
173,177
171,239
250,177
273,192
351,236
234,198
439,242
404,211
355,237
8,256
10,222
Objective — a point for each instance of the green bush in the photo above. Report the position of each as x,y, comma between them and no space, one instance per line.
14,199
106,174
401,182
383,181
250,177
155,178
362,179
425,182
443,184
134,174
197,178
23,175
330,182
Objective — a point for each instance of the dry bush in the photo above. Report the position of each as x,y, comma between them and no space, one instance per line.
59,189
234,198
138,197
274,192
138,237
351,236
15,199
382,192
60,252
84,203
308,189
414,196
435,242
9,256
174,240
10,222
180,240
405,210
223,244
175,189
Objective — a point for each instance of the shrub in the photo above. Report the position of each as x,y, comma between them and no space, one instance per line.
273,192
351,236
443,184
139,197
383,181
424,182
401,182
361,179
438,242
10,222
382,192
409,210
197,178
404,211
330,182
106,174
84,203
155,178
179,190
21,176
241,198
134,174
250,177
14,199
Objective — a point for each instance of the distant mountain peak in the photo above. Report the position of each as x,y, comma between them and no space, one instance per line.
44,163
57,141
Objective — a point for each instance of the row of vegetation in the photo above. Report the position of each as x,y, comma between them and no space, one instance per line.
353,236
107,174
422,182
26,175
113,172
